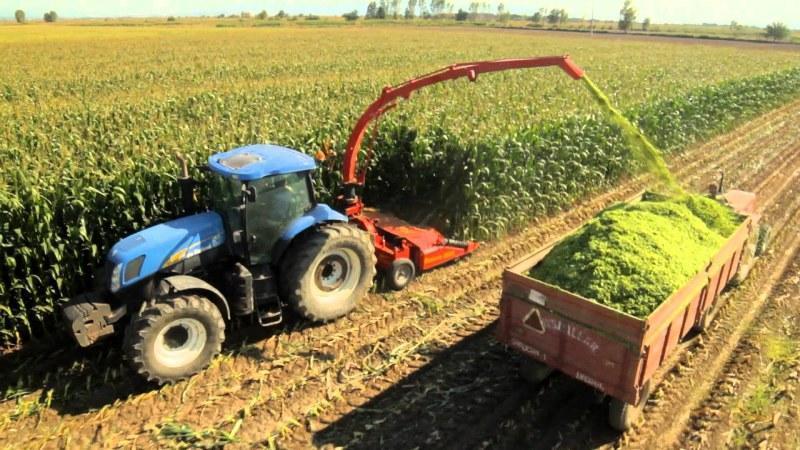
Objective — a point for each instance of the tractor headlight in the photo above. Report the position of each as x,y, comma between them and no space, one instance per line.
116,278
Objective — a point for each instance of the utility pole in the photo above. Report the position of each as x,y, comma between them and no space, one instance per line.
591,27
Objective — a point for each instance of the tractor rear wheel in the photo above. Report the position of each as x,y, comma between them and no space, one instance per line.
174,338
327,271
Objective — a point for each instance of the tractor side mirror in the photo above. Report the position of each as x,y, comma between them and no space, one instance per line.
250,194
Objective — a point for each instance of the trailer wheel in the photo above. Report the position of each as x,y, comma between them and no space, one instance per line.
622,415
762,242
756,246
174,338
400,274
532,371
326,272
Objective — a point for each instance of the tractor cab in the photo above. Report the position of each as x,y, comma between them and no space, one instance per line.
259,191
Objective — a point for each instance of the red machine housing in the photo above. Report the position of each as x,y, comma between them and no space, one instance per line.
395,239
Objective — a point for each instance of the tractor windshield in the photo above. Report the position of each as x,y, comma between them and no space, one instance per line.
280,199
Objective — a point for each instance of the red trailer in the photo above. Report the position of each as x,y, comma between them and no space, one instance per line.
614,352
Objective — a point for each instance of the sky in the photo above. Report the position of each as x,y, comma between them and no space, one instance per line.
746,12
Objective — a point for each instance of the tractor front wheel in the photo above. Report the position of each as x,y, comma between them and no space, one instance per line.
326,272
174,338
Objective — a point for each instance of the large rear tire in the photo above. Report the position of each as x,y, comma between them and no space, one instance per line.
174,338
328,271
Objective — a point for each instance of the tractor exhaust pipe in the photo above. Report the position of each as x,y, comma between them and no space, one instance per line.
186,184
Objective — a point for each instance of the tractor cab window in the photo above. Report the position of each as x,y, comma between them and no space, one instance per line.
280,199
225,195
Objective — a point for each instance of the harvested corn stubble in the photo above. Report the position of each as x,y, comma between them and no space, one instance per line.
633,256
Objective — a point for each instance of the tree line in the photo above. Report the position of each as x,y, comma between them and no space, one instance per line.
49,16
427,9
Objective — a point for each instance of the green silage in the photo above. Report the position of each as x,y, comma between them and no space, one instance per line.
631,257
642,150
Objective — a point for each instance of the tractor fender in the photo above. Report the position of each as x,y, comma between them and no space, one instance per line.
321,213
189,284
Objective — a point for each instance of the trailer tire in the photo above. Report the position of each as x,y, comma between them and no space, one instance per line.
534,372
173,338
400,274
762,240
326,272
622,415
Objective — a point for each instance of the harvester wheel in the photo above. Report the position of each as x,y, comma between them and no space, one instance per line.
173,338
622,415
326,272
400,273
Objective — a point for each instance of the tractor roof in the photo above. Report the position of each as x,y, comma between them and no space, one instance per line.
253,162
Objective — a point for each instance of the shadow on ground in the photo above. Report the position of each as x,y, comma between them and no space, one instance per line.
470,396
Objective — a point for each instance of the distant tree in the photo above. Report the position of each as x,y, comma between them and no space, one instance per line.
422,7
502,14
411,9
777,31
244,15
646,24
437,7
352,16
461,15
221,16
537,17
50,16
281,14
396,8
627,15
735,28
171,19
262,15
19,15
372,10
557,16
381,13
474,8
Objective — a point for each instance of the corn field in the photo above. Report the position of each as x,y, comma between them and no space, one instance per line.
93,118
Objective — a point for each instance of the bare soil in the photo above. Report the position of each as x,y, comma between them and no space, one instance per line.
419,368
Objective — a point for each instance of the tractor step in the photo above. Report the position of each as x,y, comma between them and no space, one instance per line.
269,311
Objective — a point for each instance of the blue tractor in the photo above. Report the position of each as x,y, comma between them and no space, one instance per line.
266,242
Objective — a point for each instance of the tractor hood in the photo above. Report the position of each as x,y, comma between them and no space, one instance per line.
146,252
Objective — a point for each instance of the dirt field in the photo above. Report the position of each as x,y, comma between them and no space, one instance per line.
419,368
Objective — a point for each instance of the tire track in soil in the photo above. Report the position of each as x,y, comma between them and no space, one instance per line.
287,355
530,437
713,421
